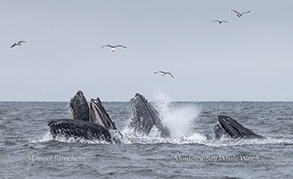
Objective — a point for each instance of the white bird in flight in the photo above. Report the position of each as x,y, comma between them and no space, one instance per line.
240,14
164,73
220,21
113,47
17,43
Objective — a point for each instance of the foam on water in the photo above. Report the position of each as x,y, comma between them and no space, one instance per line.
45,138
239,142
49,137
154,137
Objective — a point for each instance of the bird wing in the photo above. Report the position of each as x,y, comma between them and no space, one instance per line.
225,21
159,72
120,46
107,46
13,45
246,12
170,74
236,11
21,41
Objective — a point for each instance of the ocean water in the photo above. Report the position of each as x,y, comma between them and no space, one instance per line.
28,151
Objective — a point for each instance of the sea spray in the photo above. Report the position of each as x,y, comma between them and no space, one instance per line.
179,120
43,138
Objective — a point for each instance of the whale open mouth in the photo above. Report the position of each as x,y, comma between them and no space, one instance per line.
99,115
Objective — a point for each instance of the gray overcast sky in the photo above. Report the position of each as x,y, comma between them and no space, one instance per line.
250,58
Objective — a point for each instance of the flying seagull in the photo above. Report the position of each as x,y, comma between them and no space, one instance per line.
220,21
17,43
164,73
240,14
113,47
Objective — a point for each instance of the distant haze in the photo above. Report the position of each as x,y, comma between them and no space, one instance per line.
248,58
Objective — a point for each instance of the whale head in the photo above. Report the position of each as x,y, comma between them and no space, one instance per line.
233,129
144,117
79,107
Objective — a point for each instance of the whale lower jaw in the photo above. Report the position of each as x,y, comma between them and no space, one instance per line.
78,129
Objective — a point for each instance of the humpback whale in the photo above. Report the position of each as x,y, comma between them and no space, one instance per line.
232,128
144,117
91,123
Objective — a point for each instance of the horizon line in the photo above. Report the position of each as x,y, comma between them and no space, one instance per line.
52,101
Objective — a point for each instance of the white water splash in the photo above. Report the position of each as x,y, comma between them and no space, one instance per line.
154,137
45,138
178,119
49,137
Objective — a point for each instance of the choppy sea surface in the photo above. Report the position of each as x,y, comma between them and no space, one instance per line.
27,150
